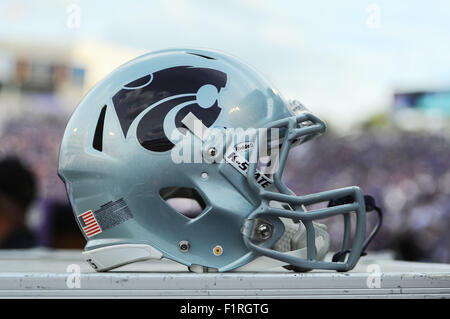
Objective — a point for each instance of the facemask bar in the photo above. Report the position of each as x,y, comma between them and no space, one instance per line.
306,126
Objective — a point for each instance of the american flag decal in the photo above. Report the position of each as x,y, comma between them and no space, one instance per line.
89,224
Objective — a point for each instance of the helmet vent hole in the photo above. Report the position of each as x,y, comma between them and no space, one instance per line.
186,201
98,136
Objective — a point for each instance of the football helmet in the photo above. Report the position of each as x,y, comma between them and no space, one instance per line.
147,136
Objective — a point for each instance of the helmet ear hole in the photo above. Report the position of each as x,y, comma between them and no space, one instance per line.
186,201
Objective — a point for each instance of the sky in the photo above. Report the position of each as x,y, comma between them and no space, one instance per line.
342,59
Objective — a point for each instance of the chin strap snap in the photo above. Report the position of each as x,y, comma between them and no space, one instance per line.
369,202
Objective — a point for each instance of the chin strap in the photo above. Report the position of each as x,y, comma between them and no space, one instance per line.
294,239
292,243
370,206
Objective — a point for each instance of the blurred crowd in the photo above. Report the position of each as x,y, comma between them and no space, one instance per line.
33,146
37,142
408,173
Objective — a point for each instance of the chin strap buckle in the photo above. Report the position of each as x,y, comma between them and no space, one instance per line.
369,202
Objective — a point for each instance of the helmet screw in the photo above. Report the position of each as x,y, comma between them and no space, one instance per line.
212,151
184,246
218,250
264,231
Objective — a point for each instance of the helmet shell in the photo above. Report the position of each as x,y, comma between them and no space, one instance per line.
115,155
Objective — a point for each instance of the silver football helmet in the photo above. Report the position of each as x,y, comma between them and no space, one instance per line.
193,124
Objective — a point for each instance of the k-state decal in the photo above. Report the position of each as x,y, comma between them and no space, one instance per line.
242,165
176,85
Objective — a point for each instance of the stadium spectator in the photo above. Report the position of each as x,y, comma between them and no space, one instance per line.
17,192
